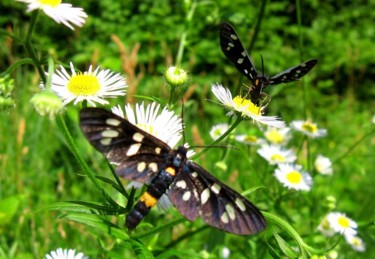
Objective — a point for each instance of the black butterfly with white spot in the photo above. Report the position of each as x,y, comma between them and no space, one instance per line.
237,54
142,157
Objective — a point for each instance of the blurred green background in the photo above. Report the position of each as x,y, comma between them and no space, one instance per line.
36,167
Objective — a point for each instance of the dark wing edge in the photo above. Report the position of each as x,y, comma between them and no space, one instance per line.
294,73
137,154
217,204
234,50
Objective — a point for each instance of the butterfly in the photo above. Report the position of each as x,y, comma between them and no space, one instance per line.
233,49
143,158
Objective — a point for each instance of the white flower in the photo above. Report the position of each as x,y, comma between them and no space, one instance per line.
91,86
249,139
356,243
323,165
292,177
225,253
325,228
340,223
275,154
60,12
218,130
244,107
308,128
165,125
278,136
65,254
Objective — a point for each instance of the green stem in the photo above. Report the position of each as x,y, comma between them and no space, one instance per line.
30,49
181,47
159,229
258,24
73,148
231,128
15,65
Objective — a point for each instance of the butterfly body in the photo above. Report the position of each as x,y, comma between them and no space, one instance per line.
144,158
237,54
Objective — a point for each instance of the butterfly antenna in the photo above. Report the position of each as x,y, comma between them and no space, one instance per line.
261,57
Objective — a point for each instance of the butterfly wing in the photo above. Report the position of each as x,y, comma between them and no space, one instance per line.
137,154
195,192
235,52
294,73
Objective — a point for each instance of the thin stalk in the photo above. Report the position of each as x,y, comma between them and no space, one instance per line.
231,128
29,47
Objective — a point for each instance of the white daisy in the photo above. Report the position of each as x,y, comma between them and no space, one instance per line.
92,86
218,130
165,125
275,154
356,243
244,107
325,228
249,139
292,177
323,165
65,254
308,128
60,12
278,136
340,223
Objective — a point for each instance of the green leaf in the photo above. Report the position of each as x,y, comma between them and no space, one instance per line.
140,250
284,246
8,207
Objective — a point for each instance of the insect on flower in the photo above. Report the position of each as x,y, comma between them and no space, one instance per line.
237,54
141,157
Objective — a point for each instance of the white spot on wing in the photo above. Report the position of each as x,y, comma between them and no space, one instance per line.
112,122
205,195
186,196
194,174
240,60
181,184
141,167
153,166
138,137
240,204
215,188
157,150
105,141
234,36
109,133
133,149
229,208
224,218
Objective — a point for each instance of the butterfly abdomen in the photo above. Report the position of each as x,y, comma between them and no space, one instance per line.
157,188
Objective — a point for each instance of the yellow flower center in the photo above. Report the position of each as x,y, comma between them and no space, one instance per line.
309,127
244,105
84,85
275,136
52,3
278,158
251,139
294,177
344,222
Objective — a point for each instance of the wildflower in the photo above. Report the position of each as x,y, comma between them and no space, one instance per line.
356,243
165,125
65,254
274,154
340,223
308,128
47,103
60,12
292,177
244,107
176,76
249,139
325,228
278,136
218,130
91,86
323,165
225,253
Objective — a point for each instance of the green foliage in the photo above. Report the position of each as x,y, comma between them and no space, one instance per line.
57,191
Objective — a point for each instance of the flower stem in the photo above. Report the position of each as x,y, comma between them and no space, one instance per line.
30,49
225,134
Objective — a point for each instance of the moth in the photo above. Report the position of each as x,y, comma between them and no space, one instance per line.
141,157
233,49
